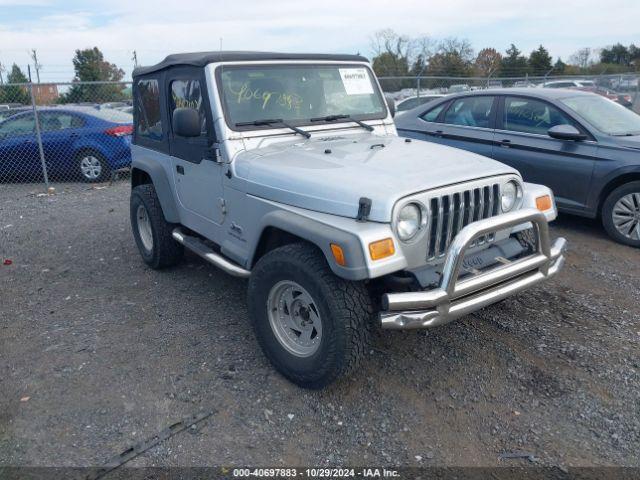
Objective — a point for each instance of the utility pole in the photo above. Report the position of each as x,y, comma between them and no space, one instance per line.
36,65
135,59
2,69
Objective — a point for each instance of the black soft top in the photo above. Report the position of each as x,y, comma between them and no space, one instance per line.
200,59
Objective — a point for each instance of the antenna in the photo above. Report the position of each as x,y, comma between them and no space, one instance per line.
36,65
135,59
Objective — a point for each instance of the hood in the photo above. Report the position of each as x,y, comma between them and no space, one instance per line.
331,174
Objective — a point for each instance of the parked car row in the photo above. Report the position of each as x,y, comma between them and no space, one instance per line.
583,146
411,97
78,142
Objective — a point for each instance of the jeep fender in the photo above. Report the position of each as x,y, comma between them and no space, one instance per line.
153,167
322,236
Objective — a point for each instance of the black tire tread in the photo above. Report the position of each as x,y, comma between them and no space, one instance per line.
167,252
350,300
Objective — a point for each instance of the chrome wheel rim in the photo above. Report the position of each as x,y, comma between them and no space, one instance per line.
90,167
144,228
626,216
294,318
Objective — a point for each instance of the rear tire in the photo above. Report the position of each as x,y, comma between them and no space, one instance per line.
293,292
151,231
621,214
92,167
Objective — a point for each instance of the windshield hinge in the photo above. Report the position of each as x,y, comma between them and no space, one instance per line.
213,153
364,209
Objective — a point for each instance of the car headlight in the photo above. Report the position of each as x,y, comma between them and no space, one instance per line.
511,194
409,221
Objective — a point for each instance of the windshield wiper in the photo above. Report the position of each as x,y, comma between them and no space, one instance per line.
271,121
333,118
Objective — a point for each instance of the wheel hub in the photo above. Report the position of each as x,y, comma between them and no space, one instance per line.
294,318
144,228
90,167
626,216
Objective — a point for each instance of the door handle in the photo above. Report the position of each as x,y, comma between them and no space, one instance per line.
180,169
505,143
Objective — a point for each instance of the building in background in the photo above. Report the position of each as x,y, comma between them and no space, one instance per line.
45,93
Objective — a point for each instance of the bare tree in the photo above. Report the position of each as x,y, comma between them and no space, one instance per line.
582,58
402,46
460,47
388,41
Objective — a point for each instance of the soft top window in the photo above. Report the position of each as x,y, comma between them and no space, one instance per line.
147,104
187,94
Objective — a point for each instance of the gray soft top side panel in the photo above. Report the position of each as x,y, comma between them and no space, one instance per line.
200,59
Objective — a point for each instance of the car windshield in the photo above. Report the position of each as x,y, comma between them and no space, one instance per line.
298,93
607,116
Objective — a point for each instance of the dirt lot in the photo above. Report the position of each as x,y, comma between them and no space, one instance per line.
98,352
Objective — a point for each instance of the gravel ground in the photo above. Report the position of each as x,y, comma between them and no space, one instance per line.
98,352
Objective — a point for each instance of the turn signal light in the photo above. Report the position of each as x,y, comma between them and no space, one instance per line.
381,249
338,254
544,203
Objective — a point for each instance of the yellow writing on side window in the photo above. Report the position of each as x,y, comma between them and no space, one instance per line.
183,102
284,99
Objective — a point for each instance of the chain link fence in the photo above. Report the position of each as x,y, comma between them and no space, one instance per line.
409,92
55,133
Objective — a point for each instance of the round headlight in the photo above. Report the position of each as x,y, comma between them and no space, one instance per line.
510,194
409,220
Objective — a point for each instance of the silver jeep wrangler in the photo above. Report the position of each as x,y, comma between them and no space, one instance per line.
286,169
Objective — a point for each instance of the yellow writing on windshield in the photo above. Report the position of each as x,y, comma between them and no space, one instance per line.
289,100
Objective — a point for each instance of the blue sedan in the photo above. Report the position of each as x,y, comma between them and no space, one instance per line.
583,146
85,143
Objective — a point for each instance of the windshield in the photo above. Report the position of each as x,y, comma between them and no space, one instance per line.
607,116
298,93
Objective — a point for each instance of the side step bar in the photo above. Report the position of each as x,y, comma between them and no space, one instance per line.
198,247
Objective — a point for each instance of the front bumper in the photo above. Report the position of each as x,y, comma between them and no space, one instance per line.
455,298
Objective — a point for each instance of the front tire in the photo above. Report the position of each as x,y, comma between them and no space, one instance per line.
313,326
621,214
151,231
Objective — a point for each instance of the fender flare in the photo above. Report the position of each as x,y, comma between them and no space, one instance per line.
161,184
322,236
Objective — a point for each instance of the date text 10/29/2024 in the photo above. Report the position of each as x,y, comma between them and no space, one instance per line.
313,472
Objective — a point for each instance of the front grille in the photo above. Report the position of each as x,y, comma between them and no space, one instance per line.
448,214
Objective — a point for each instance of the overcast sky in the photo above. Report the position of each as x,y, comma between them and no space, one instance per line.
56,28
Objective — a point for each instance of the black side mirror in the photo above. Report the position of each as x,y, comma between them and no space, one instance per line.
186,122
391,103
566,132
